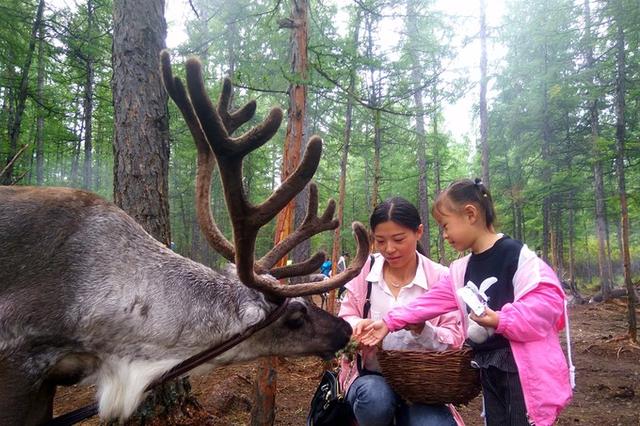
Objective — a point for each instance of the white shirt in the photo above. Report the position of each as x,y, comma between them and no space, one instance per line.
382,300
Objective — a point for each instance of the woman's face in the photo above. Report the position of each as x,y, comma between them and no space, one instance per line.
396,243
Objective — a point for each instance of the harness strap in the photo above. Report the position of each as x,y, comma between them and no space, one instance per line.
365,310
91,410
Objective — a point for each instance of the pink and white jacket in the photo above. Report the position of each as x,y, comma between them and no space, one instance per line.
446,329
531,324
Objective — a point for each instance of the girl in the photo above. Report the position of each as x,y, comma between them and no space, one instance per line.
523,371
398,275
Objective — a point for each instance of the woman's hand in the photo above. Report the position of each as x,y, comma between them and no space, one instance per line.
359,328
374,333
490,318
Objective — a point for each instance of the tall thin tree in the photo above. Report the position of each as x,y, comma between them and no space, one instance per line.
484,125
41,112
15,123
88,99
416,77
263,411
620,157
604,262
337,243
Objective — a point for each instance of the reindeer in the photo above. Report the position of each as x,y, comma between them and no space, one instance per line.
86,295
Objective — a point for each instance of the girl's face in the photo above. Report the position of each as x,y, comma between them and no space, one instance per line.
457,227
397,243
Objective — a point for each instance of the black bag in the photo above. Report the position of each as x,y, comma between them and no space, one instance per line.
328,406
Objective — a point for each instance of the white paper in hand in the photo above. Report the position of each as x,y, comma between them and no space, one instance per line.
472,297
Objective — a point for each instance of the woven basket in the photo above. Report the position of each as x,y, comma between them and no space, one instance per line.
431,377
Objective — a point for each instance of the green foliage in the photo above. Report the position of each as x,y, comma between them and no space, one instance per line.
541,91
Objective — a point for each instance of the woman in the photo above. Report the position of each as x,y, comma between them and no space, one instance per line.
399,274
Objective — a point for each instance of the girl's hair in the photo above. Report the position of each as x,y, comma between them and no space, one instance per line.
466,191
400,211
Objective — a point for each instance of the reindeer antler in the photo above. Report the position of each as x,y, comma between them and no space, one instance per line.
211,129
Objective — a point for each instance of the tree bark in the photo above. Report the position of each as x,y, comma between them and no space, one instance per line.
416,77
620,148
141,151
604,262
546,169
263,410
572,255
15,122
377,149
484,134
337,241
40,100
141,143
88,101
374,105
436,167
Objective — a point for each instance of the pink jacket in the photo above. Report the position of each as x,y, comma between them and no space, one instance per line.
531,324
447,326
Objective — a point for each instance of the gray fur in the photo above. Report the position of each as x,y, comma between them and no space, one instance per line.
82,285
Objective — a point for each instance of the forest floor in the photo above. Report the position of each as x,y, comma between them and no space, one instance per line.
607,375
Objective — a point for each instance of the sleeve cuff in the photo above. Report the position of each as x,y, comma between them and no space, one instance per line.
504,321
389,323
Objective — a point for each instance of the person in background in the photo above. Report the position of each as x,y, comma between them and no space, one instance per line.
343,260
523,372
399,274
325,268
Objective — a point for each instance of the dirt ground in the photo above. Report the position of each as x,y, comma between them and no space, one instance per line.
607,375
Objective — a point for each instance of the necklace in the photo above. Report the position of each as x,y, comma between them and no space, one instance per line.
395,285
388,280
400,285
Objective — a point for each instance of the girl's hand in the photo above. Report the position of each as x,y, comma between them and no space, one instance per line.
374,333
359,328
490,318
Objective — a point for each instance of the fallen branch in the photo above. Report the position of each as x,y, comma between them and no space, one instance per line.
615,293
13,160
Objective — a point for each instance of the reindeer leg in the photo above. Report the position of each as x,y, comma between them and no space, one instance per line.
19,403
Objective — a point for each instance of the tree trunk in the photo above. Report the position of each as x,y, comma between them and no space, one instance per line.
416,77
620,142
377,170
263,410
141,143
337,241
15,122
374,105
88,101
75,161
546,170
141,151
40,100
604,262
436,167
558,264
484,134
572,237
